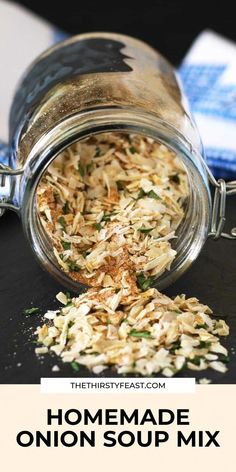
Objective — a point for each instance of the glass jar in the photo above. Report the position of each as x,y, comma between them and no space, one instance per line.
103,82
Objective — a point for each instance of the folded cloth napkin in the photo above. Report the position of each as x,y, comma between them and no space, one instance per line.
208,74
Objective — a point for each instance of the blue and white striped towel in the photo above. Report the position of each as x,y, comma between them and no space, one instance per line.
208,73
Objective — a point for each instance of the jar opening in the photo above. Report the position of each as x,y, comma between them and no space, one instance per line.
121,197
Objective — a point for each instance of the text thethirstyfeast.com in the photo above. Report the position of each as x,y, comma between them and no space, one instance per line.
74,435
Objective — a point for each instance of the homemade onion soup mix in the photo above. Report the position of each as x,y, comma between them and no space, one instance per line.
111,206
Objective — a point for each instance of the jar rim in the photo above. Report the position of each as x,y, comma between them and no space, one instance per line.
114,119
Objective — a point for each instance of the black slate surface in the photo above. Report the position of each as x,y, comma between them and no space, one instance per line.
212,278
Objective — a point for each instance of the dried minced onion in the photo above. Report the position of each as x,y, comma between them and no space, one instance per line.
112,203
143,333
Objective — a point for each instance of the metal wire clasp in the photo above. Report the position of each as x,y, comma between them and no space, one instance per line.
6,176
8,171
222,189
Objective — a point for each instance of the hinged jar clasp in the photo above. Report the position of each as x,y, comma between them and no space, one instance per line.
222,189
6,187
